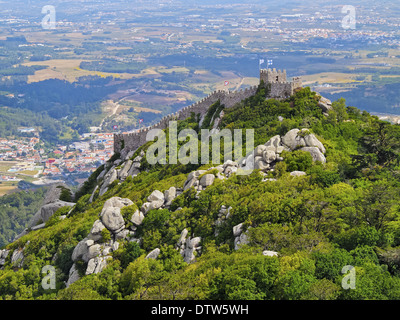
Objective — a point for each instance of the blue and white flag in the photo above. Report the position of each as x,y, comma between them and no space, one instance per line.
269,62
261,61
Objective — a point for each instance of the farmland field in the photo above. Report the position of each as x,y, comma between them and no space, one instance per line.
69,70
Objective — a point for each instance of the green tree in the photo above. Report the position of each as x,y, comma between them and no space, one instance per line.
298,160
339,107
378,203
380,145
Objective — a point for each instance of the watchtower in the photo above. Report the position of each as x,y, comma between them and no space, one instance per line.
279,87
272,75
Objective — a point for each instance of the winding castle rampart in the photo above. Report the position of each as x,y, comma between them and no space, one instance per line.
276,80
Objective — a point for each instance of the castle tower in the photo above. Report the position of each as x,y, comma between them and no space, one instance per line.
279,87
272,75
297,82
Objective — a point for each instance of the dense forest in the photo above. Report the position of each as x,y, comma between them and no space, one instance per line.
16,210
342,212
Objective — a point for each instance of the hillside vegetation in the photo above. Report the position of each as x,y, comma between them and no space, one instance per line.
342,212
16,210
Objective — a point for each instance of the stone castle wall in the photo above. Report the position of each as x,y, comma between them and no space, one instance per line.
279,89
132,141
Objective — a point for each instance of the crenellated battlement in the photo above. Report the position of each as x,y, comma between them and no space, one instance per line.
280,88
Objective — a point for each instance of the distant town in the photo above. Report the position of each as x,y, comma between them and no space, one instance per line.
27,159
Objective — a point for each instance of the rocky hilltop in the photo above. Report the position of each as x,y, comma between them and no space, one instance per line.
319,194
94,251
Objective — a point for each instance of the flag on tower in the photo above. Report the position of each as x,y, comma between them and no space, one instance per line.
269,62
262,61
226,83
140,120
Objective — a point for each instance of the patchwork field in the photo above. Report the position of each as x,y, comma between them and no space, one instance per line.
330,78
69,70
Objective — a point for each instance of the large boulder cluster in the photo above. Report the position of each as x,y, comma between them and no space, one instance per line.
240,235
160,200
94,249
199,180
265,157
188,247
120,169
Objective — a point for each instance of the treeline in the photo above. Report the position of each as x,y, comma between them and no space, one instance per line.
20,70
113,66
13,118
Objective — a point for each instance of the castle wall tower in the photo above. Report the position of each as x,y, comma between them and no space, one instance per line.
272,75
297,82
279,86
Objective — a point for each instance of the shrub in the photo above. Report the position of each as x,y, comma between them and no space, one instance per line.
128,211
363,254
63,260
105,235
66,194
81,205
56,216
329,265
325,178
128,253
89,185
361,236
297,160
